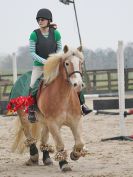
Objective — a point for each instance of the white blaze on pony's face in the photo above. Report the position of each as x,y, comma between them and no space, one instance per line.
73,64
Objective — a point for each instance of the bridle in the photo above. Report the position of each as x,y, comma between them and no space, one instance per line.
69,75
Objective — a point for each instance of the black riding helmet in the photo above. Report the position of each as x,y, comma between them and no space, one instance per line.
44,13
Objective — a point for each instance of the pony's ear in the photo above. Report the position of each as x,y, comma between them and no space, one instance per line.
80,48
65,49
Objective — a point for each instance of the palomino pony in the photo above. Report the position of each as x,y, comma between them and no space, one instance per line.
58,105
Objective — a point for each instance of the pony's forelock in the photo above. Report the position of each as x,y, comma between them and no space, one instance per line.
70,52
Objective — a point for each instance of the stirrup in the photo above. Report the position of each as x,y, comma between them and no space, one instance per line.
32,117
32,114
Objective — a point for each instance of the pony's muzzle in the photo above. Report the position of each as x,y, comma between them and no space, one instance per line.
75,84
78,86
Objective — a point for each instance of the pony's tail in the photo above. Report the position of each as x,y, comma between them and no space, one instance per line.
19,137
18,144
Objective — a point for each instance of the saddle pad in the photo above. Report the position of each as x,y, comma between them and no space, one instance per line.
21,86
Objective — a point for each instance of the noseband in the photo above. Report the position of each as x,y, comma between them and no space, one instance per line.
69,75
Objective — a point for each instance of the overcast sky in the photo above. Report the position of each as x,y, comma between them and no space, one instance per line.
102,22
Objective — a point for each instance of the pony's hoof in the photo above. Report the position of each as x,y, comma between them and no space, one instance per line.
73,157
48,162
31,163
66,168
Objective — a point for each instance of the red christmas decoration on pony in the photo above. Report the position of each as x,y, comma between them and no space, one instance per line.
22,102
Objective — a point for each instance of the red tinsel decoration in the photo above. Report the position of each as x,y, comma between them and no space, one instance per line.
22,103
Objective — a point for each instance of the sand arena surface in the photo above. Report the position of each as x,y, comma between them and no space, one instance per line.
106,159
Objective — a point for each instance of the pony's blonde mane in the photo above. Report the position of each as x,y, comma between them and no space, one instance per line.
51,67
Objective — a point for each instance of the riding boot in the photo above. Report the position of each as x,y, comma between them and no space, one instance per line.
84,107
32,111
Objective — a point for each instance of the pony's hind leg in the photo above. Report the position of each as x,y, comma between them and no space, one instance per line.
45,147
61,154
30,142
34,156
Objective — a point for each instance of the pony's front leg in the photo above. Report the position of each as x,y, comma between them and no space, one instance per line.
45,147
61,154
78,151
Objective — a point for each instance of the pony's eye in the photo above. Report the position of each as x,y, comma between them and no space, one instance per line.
67,64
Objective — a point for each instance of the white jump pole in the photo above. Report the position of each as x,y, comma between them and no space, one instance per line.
121,86
14,61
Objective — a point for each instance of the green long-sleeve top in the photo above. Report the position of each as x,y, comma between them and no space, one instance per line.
39,61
